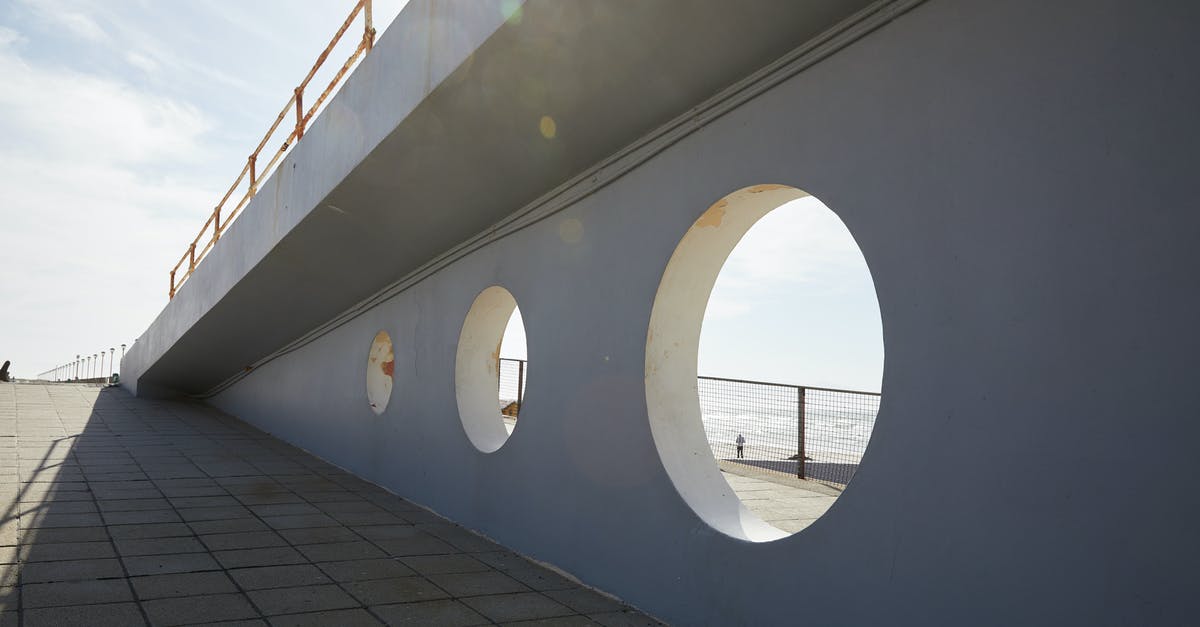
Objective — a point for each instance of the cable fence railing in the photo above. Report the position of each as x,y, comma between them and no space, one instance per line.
253,172
762,428
805,432
512,385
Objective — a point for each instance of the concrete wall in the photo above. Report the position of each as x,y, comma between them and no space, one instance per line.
1019,176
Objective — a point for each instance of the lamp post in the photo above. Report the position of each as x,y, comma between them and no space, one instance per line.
111,352
78,363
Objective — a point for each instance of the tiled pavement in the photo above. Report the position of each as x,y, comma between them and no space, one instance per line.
787,508
121,511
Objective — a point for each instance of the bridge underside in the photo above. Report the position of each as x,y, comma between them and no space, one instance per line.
1017,175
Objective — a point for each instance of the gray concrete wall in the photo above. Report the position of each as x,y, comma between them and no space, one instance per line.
1019,177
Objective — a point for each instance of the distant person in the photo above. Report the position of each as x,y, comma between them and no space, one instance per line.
4,372
740,441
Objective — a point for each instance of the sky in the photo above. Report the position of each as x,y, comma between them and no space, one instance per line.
123,123
794,303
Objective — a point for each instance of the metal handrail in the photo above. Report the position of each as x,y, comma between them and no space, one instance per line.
191,255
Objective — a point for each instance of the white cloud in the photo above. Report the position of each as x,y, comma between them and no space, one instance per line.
8,37
78,117
83,256
62,15
141,62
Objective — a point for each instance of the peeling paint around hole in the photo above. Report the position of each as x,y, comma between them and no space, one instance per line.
714,216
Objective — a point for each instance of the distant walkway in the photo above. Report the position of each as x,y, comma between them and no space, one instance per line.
787,503
121,511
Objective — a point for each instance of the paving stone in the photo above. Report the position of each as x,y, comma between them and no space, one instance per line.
221,500
557,621
301,599
132,505
444,613
238,525
341,618
626,618
365,570
66,551
194,514
585,601
210,607
319,535
153,530
166,564
158,546
75,593
540,578
339,551
245,540
284,509
50,521
140,517
442,564
182,585
110,615
300,521
73,570
505,608
54,506
10,598
278,576
475,584
272,556
400,590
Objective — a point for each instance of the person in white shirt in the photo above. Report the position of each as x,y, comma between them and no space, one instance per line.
740,441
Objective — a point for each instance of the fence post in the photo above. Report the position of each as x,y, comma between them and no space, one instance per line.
368,25
800,433
216,224
299,91
172,290
520,383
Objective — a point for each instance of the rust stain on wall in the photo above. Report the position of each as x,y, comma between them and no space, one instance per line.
714,216
758,189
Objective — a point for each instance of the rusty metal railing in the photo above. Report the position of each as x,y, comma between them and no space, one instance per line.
192,256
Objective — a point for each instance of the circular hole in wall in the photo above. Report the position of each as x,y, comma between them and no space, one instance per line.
491,369
762,445
381,364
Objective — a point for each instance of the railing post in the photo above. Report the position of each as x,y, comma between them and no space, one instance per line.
192,258
299,113
171,292
217,223
520,383
368,26
800,433
253,179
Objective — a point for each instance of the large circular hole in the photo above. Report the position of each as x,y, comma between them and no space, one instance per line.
763,444
491,369
381,364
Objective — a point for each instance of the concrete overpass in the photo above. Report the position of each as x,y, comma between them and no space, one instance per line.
1018,176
